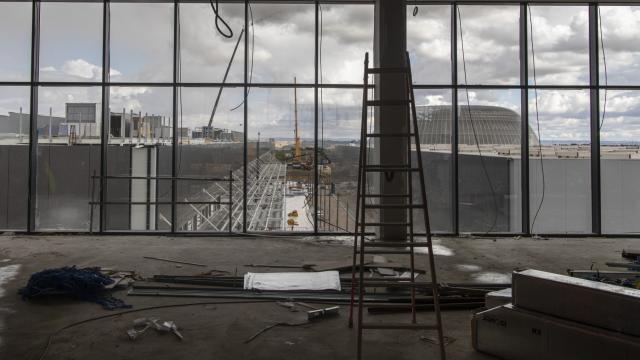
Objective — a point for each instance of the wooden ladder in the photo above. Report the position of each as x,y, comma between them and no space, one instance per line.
364,199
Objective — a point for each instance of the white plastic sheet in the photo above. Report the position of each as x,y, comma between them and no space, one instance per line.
324,280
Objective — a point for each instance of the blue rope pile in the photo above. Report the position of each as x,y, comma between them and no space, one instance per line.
82,284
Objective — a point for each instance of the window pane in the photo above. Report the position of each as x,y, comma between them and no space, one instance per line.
140,131
14,157
561,134
15,41
619,45
286,168
620,166
346,34
490,35
71,45
433,108
560,44
284,43
141,42
429,43
205,53
339,124
489,160
211,151
68,156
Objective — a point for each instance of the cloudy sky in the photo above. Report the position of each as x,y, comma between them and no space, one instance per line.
142,47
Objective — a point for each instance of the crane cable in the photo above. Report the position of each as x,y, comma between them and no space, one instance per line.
535,90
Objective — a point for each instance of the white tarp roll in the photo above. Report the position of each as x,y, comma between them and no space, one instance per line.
324,280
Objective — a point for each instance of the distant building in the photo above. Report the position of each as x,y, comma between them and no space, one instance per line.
492,124
81,112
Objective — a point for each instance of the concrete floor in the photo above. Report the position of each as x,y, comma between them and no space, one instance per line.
219,331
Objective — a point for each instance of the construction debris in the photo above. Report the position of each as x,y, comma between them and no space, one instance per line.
141,325
302,266
87,284
326,280
631,254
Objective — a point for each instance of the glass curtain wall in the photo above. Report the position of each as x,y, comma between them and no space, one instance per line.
186,104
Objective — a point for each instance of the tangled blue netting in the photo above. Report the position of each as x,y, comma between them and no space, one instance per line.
83,284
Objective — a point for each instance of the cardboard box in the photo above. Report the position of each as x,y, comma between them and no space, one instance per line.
517,334
589,302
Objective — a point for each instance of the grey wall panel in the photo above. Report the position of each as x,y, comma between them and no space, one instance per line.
64,186
13,187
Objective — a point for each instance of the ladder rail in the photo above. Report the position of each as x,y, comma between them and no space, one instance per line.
363,139
427,224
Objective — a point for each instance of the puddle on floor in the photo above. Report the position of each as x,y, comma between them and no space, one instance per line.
7,273
438,249
468,267
492,277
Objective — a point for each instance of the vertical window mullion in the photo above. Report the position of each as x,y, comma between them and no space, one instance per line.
106,114
33,118
594,83
246,130
315,128
524,120
454,119
176,134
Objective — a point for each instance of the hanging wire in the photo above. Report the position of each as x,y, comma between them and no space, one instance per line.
228,33
606,76
473,128
535,89
253,41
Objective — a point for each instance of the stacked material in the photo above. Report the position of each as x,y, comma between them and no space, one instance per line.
559,317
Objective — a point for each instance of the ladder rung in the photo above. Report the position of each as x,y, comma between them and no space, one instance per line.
389,168
398,326
387,224
385,252
386,195
387,70
379,135
392,206
395,244
387,102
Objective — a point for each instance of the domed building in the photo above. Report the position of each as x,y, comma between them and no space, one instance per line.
494,125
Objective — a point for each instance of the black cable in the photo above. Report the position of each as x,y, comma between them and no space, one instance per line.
473,128
219,20
606,76
535,89
253,42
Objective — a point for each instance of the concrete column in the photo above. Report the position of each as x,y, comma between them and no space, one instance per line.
389,51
